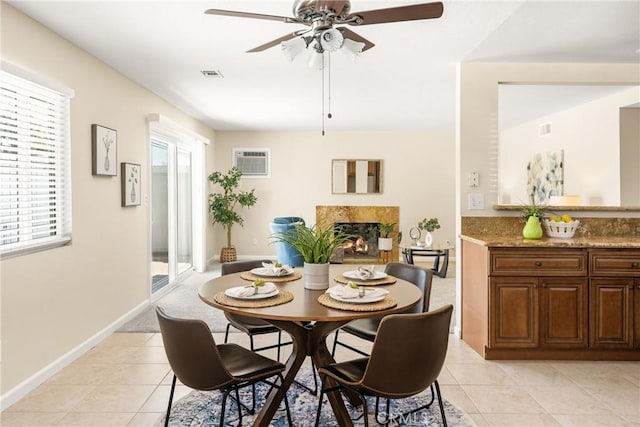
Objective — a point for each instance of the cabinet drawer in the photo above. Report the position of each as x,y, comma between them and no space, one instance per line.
538,262
613,262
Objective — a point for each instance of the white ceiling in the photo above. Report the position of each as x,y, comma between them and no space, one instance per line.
406,82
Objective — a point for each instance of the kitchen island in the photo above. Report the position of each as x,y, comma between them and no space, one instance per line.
551,298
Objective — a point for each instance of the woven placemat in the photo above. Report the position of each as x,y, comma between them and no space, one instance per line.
389,280
247,275
327,301
282,298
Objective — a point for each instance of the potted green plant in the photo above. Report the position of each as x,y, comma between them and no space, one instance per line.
316,245
385,243
533,214
429,225
222,206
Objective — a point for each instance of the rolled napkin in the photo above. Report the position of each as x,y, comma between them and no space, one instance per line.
241,291
276,269
367,272
343,291
266,288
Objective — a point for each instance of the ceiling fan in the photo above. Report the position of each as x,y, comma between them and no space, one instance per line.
322,15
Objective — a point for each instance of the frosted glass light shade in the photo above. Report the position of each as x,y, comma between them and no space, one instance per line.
316,60
292,48
352,48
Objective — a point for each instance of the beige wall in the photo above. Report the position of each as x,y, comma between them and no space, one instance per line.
630,156
477,126
418,175
53,301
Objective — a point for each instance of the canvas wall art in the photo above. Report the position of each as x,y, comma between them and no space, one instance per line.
545,176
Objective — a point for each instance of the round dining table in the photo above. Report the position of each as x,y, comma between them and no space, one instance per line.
309,323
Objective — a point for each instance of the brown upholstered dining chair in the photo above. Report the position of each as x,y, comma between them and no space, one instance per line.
200,364
250,325
366,328
406,358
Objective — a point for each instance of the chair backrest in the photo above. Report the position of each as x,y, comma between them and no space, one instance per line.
408,353
421,277
192,352
237,266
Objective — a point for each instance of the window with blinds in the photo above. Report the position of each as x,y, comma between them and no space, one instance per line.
35,169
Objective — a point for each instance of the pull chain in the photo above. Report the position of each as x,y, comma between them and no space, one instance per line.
322,94
329,88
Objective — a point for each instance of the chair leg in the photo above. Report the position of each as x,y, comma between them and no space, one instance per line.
286,401
239,406
173,387
320,402
226,333
279,343
225,394
444,418
335,343
387,417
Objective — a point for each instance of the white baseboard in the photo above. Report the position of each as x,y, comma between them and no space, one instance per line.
21,390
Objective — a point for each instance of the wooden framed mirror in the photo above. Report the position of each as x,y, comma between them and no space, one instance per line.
356,176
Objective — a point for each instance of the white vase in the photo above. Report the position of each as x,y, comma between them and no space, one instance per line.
428,239
316,276
385,243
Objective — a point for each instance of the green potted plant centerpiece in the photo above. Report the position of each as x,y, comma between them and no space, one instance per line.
429,225
316,245
533,214
222,206
385,243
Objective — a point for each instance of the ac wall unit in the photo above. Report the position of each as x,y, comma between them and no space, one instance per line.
253,163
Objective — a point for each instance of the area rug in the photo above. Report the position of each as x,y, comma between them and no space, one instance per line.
198,409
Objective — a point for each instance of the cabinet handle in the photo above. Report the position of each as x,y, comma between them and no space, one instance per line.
535,286
544,285
538,263
635,264
638,286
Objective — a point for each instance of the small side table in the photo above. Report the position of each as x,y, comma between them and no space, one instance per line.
408,252
383,256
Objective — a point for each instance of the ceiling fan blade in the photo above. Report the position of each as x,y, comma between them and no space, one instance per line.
347,33
398,14
221,12
275,42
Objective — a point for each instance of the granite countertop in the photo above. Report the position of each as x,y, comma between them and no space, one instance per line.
494,240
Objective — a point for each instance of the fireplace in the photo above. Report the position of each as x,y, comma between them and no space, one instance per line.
329,216
363,244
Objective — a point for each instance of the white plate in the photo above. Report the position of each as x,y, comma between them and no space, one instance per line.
354,274
254,296
265,272
364,300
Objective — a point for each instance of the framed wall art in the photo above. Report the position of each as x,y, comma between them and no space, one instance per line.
130,173
104,147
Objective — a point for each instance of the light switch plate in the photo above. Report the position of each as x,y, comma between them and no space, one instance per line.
476,201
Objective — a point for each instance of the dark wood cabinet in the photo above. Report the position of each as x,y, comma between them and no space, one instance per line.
549,302
614,317
611,315
564,311
513,321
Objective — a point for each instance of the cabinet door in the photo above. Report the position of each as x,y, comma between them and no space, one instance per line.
564,312
636,309
513,312
611,313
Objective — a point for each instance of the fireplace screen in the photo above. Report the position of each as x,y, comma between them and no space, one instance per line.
363,244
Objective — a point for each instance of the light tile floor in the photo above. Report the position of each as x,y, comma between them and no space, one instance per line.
125,381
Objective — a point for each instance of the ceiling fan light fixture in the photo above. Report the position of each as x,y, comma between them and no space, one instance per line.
292,48
352,48
331,40
316,61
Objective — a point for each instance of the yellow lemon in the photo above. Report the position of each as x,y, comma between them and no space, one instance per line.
554,218
566,218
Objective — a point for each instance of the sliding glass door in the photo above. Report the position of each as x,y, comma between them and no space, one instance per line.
171,212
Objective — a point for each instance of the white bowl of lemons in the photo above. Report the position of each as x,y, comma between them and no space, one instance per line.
563,226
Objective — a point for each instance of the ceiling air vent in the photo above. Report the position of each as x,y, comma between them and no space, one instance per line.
252,162
212,74
544,129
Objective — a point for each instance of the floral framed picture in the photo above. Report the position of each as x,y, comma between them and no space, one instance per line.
130,184
104,147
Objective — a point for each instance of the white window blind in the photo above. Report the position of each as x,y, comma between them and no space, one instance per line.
35,169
